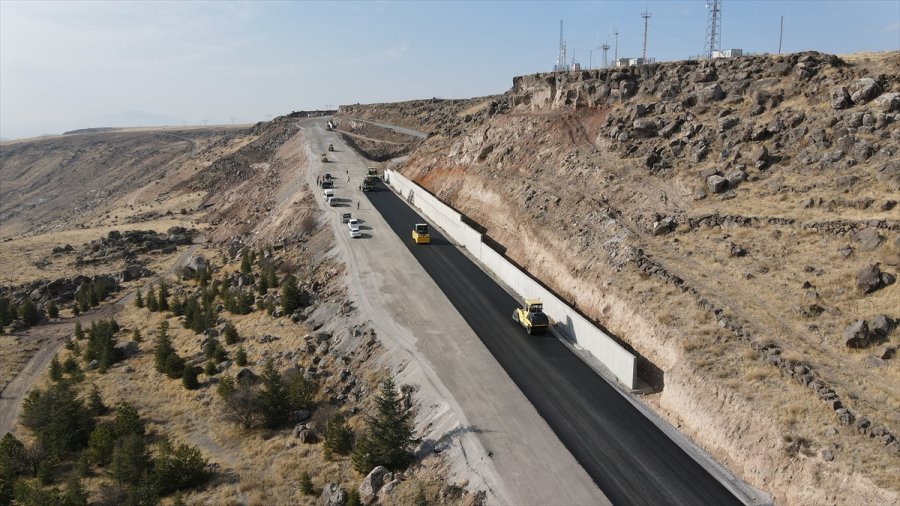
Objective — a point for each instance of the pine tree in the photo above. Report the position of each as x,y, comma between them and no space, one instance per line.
273,279
163,297
152,303
128,420
262,284
130,460
240,357
52,309
290,295
76,310
245,262
306,486
231,334
79,331
74,493
162,347
338,436
391,429
210,369
56,372
273,397
29,312
138,299
136,335
95,402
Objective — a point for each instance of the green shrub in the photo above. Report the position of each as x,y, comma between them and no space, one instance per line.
179,468
29,313
306,486
338,436
189,377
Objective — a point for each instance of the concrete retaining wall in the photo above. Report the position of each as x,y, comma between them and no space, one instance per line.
569,323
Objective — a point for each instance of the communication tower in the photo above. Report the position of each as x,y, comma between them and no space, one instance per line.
561,57
605,48
713,27
646,15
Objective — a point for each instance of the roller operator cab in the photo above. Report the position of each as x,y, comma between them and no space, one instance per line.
420,234
531,316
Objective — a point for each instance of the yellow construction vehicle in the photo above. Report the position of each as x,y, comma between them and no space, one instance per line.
420,234
531,316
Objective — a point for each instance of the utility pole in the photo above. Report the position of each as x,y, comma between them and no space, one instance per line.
646,15
714,27
605,48
780,34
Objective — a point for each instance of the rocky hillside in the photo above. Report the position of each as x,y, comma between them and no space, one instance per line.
735,222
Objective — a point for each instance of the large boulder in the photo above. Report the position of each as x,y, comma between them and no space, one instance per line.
840,98
712,93
868,279
881,326
644,127
717,184
333,495
368,489
864,89
197,262
889,102
868,239
856,335
127,349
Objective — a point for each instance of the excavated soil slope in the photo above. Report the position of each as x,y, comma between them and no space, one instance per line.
727,219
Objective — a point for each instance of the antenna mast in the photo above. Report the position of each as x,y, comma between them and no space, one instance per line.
713,27
646,15
605,48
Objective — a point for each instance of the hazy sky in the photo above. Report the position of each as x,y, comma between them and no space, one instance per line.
66,65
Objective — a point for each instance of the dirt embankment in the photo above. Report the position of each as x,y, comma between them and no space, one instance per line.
715,215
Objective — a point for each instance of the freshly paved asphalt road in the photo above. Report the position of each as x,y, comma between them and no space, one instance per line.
629,458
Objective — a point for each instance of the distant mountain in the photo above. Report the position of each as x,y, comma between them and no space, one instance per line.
133,119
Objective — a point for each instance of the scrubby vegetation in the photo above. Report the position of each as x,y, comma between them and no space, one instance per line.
73,439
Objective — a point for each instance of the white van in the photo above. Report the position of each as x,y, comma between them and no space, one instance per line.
353,225
327,194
